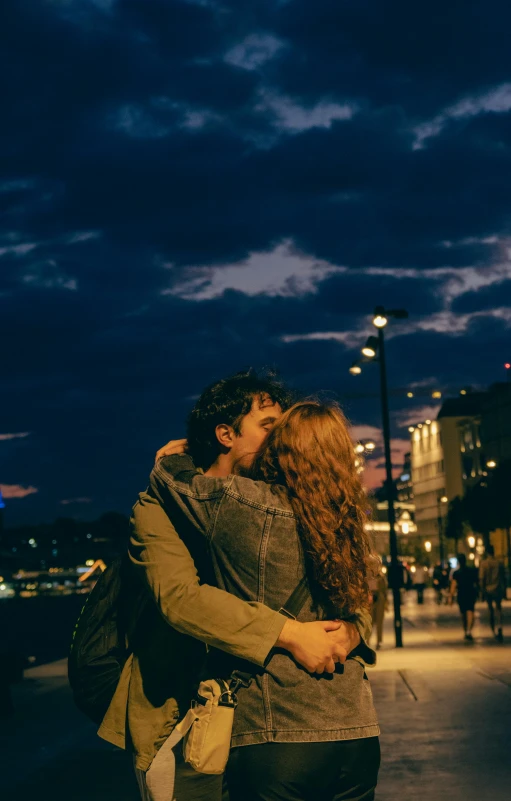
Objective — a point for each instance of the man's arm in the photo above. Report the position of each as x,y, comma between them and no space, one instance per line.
245,629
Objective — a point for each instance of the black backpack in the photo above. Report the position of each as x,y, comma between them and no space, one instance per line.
99,648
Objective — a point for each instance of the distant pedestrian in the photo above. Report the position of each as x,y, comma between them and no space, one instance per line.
419,578
465,585
378,587
492,578
441,582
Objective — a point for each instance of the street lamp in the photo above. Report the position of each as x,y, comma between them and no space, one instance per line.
368,446
355,369
375,347
440,500
379,320
471,541
427,546
370,348
491,464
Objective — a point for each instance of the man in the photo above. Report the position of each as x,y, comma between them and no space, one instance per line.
227,426
419,577
492,579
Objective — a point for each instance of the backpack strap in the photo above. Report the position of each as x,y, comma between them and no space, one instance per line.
296,600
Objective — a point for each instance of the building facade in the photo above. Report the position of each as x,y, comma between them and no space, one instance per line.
446,456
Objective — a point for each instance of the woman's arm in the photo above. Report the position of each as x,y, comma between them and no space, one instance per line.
176,483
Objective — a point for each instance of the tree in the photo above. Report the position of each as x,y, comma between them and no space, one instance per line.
455,520
499,486
477,510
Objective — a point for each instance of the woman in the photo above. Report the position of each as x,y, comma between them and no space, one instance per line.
465,585
378,587
302,511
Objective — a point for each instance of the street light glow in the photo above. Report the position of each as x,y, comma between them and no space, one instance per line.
359,448
436,394
411,429
380,321
491,464
355,369
370,446
409,394
427,546
471,541
444,499
370,348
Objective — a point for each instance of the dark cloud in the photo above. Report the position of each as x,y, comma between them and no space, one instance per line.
496,295
418,57
131,150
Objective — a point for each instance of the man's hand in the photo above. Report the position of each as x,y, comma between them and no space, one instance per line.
171,448
346,638
319,645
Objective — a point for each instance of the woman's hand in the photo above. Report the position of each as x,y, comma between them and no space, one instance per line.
172,447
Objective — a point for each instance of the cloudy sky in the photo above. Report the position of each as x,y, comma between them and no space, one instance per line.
191,187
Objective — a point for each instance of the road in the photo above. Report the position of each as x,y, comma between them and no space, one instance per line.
444,707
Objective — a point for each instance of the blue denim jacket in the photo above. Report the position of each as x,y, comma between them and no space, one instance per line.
257,556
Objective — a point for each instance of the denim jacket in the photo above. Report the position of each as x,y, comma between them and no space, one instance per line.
257,555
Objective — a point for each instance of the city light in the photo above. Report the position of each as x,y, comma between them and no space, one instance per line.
444,499
463,391
491,464
427,546
359,448
380,321
355,369
411,429
370,446
436,394
428,422
471,541
409,394
370,348
471,556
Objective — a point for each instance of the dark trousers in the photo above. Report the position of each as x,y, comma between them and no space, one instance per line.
344,770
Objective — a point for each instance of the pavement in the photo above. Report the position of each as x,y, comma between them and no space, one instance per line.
444,706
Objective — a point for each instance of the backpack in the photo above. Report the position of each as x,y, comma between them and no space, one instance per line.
99,647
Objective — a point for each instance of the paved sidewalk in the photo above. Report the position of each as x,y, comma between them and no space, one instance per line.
444,707
445,710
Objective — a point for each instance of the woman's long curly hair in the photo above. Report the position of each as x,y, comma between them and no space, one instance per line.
310,452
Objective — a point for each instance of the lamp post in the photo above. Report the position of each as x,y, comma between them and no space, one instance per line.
375,349
439,501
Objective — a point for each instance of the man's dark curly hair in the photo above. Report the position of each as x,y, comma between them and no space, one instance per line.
228,401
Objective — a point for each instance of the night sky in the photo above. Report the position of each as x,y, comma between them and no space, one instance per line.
190,188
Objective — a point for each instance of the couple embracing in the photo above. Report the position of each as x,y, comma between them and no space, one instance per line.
263,497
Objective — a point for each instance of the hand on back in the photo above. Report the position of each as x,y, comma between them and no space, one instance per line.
171,448
317,646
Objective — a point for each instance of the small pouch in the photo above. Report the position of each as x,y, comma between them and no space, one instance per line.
207,726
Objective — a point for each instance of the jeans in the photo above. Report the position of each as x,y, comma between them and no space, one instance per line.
344,770
170,778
